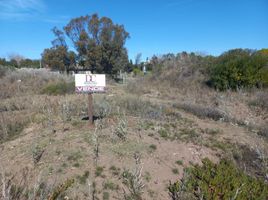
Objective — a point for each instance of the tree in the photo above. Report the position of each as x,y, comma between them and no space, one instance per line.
16,59
99,43
239,68
58,57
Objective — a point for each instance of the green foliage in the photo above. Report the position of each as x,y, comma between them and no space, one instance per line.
58,58
60,189
59,88
83,179
99,43
137,71
220,181
239,68
152,147
99,171
175,171
179,162
12,130
37,153
17,61
109,185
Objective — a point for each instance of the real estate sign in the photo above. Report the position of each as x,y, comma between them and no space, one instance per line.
90,83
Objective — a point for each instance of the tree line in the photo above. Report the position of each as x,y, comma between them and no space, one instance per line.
233,69
20,62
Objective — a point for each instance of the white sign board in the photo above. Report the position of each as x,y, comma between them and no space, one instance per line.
90,83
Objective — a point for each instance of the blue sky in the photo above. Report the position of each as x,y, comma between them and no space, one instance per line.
155,26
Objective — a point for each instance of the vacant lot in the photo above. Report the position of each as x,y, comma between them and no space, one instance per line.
145,136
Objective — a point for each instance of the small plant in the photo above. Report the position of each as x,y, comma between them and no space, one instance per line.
121,128
106,196
115,171
212,131
95,140
98,171
109,185
59,88
174,190
163,133
75,156
147,176
82,179
203,112
37,153
133,180
152,148
76,165
179,162
175,171
60,189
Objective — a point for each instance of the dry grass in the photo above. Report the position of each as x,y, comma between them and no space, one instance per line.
153,121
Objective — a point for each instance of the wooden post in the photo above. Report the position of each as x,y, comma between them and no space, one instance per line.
90,109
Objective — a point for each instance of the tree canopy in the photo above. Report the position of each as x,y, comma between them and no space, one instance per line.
99,44
240,68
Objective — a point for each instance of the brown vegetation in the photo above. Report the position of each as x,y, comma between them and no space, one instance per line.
147,132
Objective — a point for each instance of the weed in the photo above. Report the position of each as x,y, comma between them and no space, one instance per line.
187,134
212,131
261,100
147,176
58,88
82,179
152,148
121,128
179,162
37,153
133,180
76,164
163,133
115,171
106,196
99,171
64,165
61,189
203,112
109,185
75,156
263,131
175,171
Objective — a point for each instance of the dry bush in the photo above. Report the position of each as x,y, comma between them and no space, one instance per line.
203,112
263,131
27,81
12,124
261,100
15,188
135,106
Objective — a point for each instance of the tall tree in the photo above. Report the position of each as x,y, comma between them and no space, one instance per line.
99,43
58,57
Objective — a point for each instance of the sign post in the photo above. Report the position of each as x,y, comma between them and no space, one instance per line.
90,109
90,83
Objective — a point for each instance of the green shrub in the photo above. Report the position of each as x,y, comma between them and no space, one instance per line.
220,181
59,88
12,130
239,68
99,171
137,71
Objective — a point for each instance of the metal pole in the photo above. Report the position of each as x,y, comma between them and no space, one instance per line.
90,109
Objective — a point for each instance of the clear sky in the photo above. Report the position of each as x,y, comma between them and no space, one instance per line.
155,26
